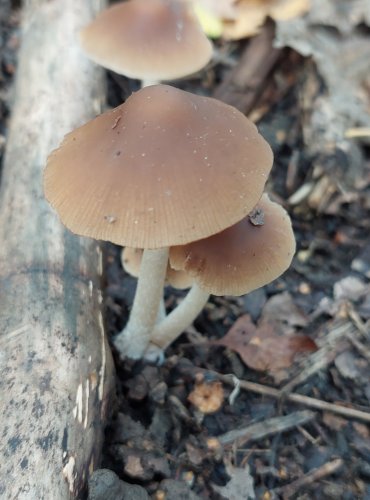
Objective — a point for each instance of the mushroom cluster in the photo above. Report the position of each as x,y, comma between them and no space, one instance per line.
180,177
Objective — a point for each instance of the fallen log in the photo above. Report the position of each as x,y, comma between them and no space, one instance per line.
55,365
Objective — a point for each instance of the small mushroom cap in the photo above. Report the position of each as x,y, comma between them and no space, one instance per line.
131,260
243,257
164,168
148,39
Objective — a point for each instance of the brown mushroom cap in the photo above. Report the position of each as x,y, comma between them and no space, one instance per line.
164,168
244,256
148,39
131,260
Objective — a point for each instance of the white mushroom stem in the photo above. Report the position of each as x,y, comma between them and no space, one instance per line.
161,311
134,339
180,318
147,83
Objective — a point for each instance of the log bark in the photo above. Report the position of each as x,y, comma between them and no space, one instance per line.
55,365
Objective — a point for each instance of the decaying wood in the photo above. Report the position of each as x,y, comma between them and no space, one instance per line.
328,468
255,432
245,83
55,365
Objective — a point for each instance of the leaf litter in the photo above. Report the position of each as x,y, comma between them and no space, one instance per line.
262,348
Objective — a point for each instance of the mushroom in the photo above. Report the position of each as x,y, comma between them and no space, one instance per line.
131,260
165,168
242,258
150,40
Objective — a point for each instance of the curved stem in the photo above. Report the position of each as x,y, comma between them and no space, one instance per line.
134,339
180,318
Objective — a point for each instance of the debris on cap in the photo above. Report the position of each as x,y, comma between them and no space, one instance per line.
244,256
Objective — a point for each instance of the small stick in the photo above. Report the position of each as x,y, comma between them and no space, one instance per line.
327,469
323,357
318,404
307,401
357,321
266,428
363,350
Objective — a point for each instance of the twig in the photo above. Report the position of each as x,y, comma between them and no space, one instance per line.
357,321
263,429
308,436
323,357
318,404
363,350
325,470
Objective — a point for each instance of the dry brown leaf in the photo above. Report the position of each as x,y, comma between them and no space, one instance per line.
261,348
221,9
283,10
251,14
250,17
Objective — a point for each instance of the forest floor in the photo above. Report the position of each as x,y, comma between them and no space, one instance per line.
247,417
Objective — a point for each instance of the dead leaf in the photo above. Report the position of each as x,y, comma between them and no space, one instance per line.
261,348
342,62
284,10
341,14
350,288
250,17
251,14
346,365
222,9
281,308
240,486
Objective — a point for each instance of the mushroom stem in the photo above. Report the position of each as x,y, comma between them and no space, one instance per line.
147,83
180,318
134,339
161,311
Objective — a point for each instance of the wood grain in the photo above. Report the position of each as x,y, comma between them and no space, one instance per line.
55,365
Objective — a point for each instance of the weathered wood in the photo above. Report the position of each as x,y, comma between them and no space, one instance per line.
55,365
244,84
